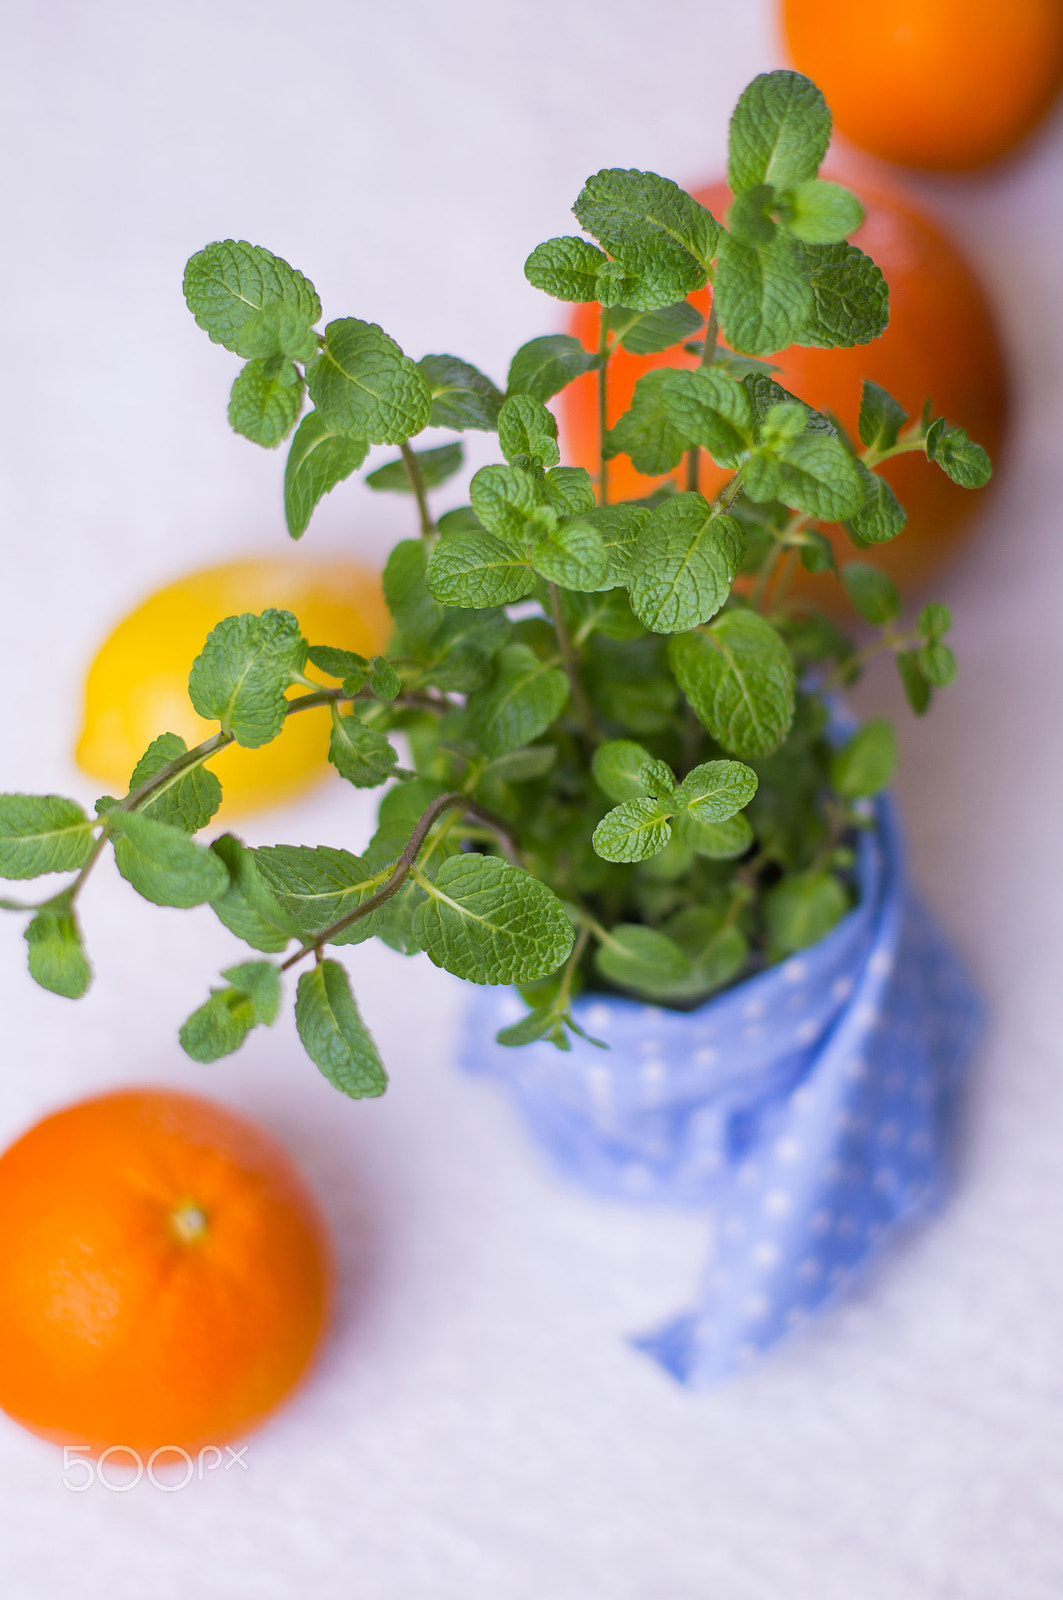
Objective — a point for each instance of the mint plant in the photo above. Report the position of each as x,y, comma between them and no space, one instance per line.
617,767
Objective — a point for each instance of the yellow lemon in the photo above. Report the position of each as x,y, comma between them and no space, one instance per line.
137,686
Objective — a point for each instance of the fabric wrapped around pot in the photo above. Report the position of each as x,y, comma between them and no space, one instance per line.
810,1105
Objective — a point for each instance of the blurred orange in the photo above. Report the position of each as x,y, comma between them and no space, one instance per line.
931,83
941,343
137,687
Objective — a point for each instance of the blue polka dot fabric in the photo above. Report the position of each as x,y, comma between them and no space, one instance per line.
809,1106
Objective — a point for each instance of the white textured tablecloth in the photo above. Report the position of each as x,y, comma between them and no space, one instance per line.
477,1427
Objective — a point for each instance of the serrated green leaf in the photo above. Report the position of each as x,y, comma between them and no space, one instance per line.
917,690
280,329
163,864
527,433
566,268
384,681
715,790
42,833
219,1027
320,457
337,663
618,527
57,960
814,473
189,800
417,614
569,491
507,501
461,396
633,831
246,906
538,1024
937,664
458,655
739,678
801,909
717,949
718,841
684,564
779,132
934,621
544,366
436,467
763,296
477,570
362,755
651,331
819,212
364,385
639,958
765,394
873,594
462,519
881,417
490,922
617,767
749,218
240,676
850,297
965,462
658,780
646,431
230,281
522,700
711,410
572,556
316,886
658,233
865,764
881,517
334,1035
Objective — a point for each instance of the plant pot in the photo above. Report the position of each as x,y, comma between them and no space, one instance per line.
810,1106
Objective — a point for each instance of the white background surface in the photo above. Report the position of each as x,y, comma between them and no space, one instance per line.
477,1427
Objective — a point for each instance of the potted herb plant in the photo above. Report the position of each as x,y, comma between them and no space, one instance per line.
625,783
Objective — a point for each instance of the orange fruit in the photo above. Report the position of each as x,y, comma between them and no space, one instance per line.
941,343
137,686
164,1273
931,83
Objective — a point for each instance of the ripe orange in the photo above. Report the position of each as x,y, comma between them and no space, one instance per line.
137,687
941,342
931,83
164,1274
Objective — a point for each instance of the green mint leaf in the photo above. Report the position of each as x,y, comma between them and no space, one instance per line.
221,1025
717,950
818,212
782,423
491,922
881,517
477,570
42,833
817,553
739,678
646,431
319,458
334,1035
280,329
246,906
715,791
566,268
189,800
230,281
799,910
850,297
163,864
364,385
937,664
57,960
711,410
684,564
569,491
544,366
527,433
651,331
539,1024
618,527
749,218
640,958
436,467
814,473
384,681
522,700
718,841
462,519
779,132
865,764
658,780
917,689
521,765
417,615
459,652
872,593
657,233
362,755
933,622
881,417
617,767
315,886
763,297
461,396
766,394
507,500
337,663
633,831
240,676
965,462
572,556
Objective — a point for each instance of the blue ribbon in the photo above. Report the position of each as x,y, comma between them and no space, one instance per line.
810,1106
